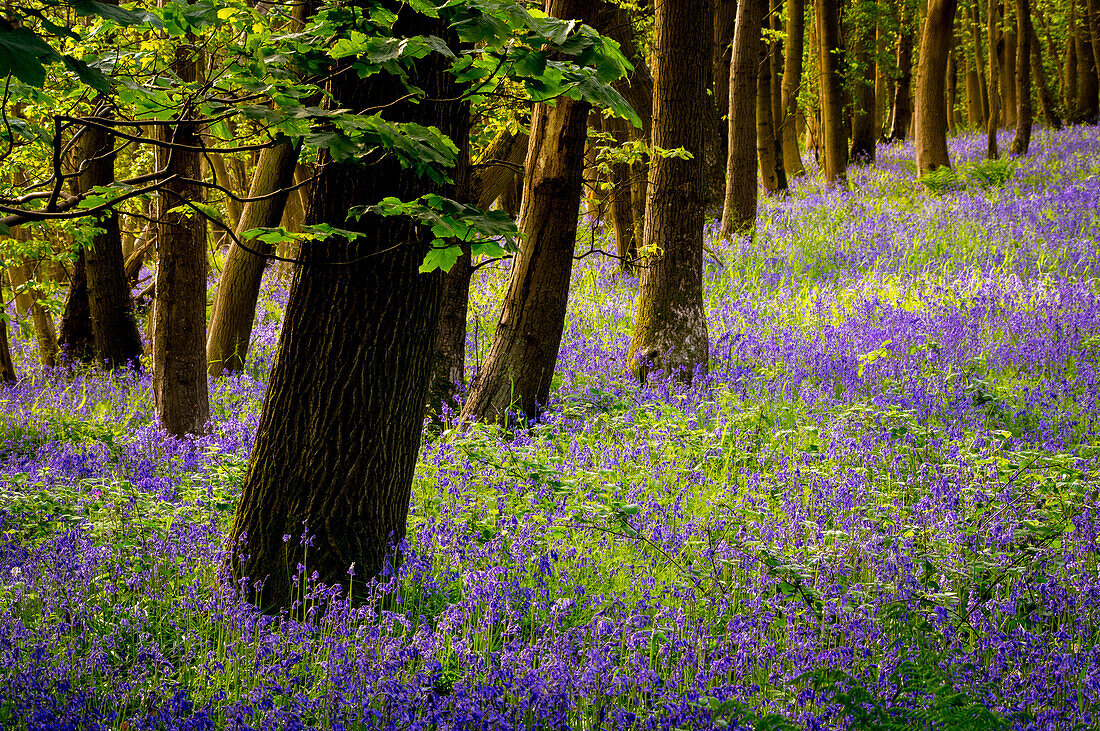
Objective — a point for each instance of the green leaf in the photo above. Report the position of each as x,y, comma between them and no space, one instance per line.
119,15
24,55
440,256
91,76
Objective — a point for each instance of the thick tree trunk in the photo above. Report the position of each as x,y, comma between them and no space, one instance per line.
1008,73
1069,69
179,312
901,112
670,327
1088,102
74,336
1092,7
1022,140
973,98
827,14
931,117
498,166
340,429
117,341
7,368
792,82
993,121
739,209
239,285
521,359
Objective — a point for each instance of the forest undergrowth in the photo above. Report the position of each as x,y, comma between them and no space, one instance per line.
878,510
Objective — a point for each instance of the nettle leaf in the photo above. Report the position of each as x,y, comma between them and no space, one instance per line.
24,55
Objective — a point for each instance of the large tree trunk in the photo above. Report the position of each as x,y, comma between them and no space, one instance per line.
1088,102
973,97
340,429
931,117
739,209
116,338
1022,139
179,312
239,285
498,166
1092,8
792,82
772,176
979,59
74,336
993,121
1069,69
670,327
827,14
7,368
521,359
1008,72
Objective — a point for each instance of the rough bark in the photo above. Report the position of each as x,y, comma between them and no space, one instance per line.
792,81
239,285
29,302
775,101
834,134
1022,140
179,312
1088,101
952,85
863,96
979,60
1008,72
498,166
739,209
520,364
670,329
973,97
772,176
1069,68
340,428
116,339
7,368
931,116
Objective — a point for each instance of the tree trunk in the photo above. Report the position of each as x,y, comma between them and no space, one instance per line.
1069,71
74,337
622,218
861,42
1022,140
239,285
116,338
521,359
931,117
340,428
827,14
901,111
1046,99
1088,102
973,97
7,368
29,301
179,312
739,209
993,121
1092,7
500,163
792,82
670,327
1008,73
952,85
979,60
772,176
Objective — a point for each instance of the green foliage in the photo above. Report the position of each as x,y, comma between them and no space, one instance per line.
982,175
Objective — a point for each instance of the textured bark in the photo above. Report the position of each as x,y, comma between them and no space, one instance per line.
239,285
179,312
725,17
739,209
1046,98
29,301
7,368
1088,102
74,336
833,132
993,120
901,112
1092,8
498,166
931,116
775,98
973,98
979,59
792,81
622,214
772,176
1008,72
1022,140
116,339
1069,68
340,428
670,329
520,363
952,85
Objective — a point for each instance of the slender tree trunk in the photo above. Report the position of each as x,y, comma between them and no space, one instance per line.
74,337
30,301
1088,101
1022,139
827,14
973,97
952,85
792,82
521,359
931,117
1092,7
340,429
771,175
622,218
179,313
1046,99
979,60
7,368
498,166
861,44
1008,72
1069,70
670,327
739,209
116,338
993,122
239,285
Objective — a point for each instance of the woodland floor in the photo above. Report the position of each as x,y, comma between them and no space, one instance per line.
880,507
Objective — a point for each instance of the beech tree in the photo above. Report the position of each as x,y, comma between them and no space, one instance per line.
739,209
792,82
833,132
1024,114
931,119
670,327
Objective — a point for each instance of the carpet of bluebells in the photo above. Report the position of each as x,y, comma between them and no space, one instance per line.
878,510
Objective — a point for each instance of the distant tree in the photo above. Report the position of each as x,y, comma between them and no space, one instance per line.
993,121
830,62
739,209
670,327
861,80
1024,113
931,117
792,82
